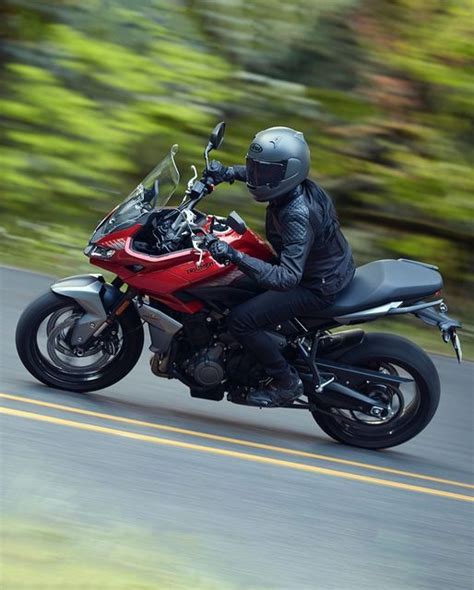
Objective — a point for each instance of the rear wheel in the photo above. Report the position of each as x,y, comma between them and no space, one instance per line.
42,341
413,405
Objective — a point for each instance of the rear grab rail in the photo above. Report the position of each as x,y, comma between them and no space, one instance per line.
414,308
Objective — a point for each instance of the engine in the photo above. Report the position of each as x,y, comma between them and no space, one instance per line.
207,366
210,360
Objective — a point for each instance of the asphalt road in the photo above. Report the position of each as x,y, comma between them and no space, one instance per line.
308,514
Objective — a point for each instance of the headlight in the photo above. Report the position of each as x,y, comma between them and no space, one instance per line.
99,252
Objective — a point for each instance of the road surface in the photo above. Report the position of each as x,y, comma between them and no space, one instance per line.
268,500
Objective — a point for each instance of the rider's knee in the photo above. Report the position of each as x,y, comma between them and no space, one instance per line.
239,322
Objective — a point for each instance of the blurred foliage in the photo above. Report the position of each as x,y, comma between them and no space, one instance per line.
93,93
48,555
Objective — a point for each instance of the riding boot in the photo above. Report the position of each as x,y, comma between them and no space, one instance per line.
278,391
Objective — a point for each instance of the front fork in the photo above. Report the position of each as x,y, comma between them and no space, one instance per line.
102,303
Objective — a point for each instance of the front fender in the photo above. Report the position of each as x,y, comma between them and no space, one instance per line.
89,292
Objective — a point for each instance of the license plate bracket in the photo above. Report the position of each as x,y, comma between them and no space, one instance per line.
456,342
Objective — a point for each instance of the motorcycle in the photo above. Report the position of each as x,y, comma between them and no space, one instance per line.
370,390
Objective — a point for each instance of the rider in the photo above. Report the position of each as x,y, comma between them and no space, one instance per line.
314,260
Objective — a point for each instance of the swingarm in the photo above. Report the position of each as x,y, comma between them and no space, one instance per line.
332,384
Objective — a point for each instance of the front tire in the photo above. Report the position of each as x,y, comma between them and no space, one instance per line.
393,354
56,365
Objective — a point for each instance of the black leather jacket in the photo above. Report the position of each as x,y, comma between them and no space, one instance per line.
305,233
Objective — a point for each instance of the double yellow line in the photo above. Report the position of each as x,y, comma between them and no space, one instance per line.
235,454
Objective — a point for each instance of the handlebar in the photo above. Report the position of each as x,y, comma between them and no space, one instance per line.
198,191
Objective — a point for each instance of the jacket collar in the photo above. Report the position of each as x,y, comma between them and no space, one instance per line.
287,197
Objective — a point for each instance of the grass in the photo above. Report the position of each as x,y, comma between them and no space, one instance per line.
43,556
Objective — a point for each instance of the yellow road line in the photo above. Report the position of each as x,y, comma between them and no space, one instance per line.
235,454
236,441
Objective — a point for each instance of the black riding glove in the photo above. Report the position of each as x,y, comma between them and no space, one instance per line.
222,252
220,173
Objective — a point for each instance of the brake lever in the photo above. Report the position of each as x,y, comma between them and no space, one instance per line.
203,246
200,252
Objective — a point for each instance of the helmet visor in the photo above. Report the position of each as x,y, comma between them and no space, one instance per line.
265,173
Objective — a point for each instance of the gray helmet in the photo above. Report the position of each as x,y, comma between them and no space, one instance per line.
277,162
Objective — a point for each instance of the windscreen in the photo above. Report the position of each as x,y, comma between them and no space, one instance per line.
154,192
158,187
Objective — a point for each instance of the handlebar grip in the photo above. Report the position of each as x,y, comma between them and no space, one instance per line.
208,240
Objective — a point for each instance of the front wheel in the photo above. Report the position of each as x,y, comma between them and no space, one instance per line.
413,405
43,345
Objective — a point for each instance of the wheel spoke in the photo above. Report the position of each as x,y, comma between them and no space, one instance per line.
59,352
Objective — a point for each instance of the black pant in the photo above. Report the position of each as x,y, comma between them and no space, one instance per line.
247,322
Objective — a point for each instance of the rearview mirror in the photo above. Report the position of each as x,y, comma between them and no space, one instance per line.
235,222
217,135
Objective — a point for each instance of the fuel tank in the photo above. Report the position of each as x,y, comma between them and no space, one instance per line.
163,277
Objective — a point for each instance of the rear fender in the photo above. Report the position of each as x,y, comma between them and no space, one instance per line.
335,345
94,296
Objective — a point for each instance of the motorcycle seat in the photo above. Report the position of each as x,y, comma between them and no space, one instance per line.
383,281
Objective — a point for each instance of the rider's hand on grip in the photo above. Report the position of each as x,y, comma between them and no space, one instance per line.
220,173
223,252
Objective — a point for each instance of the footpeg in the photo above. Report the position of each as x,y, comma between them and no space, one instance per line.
319,388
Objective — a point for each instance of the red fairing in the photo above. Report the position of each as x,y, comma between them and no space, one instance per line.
161,277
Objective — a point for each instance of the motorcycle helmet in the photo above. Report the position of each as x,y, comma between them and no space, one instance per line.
277,162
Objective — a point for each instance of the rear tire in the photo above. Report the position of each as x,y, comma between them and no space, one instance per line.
52,375
387,350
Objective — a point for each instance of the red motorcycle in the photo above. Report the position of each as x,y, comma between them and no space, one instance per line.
370,390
